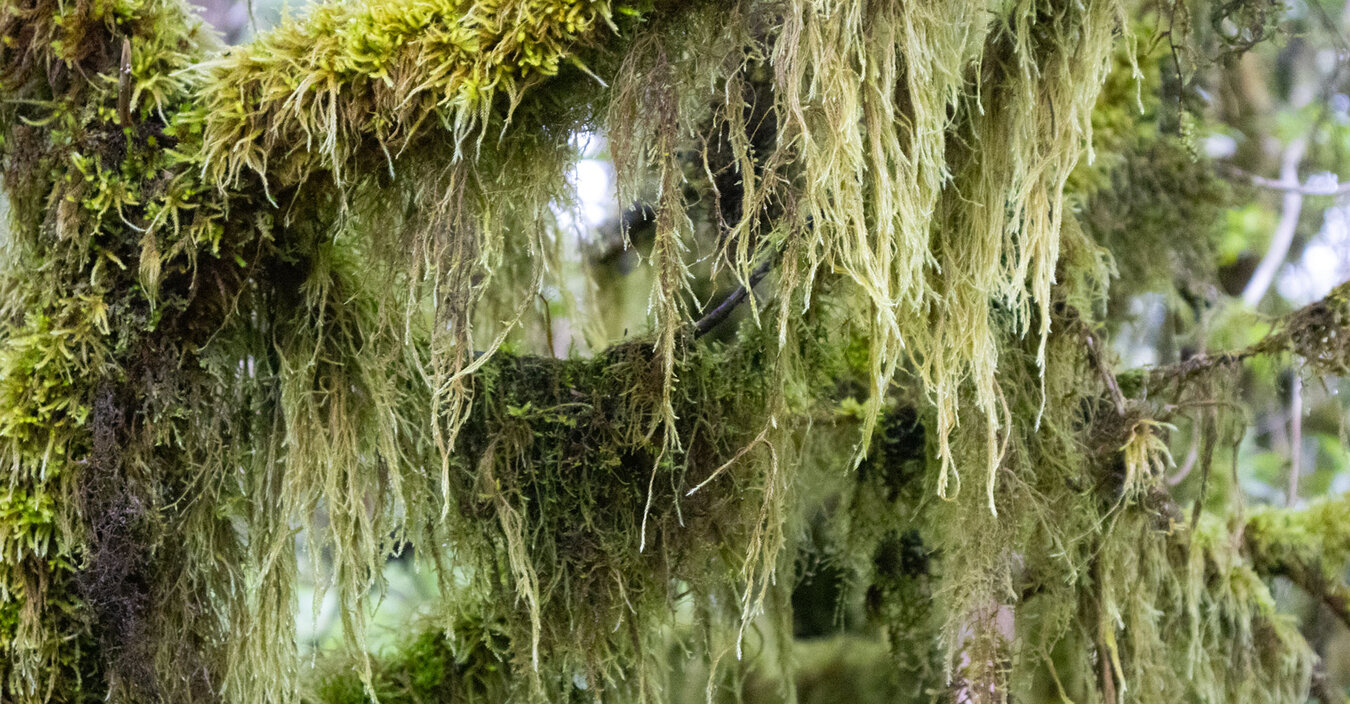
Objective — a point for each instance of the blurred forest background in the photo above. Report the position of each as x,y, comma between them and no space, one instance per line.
1276,127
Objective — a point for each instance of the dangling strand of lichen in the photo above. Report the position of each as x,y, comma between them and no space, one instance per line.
872,168
646,86
999,232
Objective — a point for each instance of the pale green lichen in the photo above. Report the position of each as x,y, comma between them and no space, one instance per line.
286,288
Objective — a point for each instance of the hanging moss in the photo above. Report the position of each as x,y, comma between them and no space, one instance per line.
286,288
561,480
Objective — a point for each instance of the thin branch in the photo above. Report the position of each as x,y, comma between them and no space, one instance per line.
1333,594
1291,553
1301,332
1305,189
1322,689
1072,318
124,86
1104,371
1202,363
705,325
1311,187
1188,464
1290,209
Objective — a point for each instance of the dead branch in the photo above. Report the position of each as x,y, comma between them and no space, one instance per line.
705,325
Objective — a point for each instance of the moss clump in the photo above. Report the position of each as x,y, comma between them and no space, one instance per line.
589,519
344,80
469,664
1150,199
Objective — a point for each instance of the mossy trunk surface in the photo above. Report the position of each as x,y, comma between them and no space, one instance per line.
287,289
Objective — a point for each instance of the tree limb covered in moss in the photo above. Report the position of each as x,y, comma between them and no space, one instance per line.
1315,332
1309,546
283,289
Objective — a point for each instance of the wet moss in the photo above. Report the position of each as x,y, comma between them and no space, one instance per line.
284,288
472,664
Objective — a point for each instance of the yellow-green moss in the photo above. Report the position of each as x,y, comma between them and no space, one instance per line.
269,289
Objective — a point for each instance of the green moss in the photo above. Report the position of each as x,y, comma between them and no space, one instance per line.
348,79
1149,199
77,182
469,664
1309,537
588,516
267,290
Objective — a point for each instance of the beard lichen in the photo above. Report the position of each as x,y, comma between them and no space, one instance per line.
284,289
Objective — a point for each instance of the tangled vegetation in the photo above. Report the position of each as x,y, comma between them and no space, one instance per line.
287,292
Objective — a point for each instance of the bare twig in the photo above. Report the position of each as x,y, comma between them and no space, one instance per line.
1073,318
1108,680
1322,689
1332,593
548,325
1112,386
1290,208
1310,187
705,325
1305,189
124,78
1188,464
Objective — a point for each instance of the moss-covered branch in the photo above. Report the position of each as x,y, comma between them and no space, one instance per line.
1309,546
348,85
276,288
